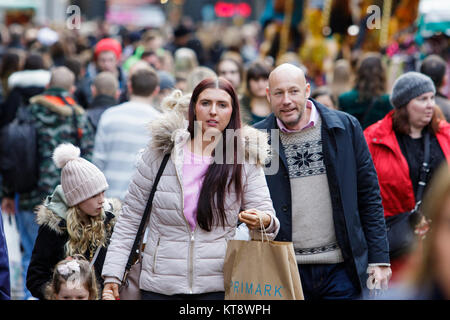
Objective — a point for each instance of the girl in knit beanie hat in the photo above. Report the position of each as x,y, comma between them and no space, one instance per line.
75,219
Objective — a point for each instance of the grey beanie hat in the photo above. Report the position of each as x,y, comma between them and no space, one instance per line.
409,86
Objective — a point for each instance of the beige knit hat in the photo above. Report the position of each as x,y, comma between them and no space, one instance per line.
80,179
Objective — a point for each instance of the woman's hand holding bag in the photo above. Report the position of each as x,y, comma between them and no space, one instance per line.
263,269
254,218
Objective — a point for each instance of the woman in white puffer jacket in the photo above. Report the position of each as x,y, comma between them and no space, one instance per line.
207,186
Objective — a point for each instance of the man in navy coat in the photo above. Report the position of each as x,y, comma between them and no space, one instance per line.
325,192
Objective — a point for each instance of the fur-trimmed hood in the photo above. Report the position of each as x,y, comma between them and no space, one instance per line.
53,212
54,105
29,78
170,129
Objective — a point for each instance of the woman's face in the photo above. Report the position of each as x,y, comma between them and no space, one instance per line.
213,109
442,245
420,110
258,86
230,71
93,206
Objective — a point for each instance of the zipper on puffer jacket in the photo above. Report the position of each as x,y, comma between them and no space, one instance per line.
191,238
191,262
155,255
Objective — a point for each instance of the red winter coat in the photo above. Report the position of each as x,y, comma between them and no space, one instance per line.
392,168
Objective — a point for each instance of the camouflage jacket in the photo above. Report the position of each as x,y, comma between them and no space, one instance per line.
55,125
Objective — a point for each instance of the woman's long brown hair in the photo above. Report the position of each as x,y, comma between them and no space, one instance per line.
370,77
219,178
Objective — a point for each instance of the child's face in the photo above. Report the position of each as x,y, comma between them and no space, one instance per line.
72,293
93,206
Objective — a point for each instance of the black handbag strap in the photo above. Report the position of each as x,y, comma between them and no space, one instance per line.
145,216
425,169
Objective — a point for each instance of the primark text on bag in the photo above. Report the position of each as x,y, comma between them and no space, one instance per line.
261,270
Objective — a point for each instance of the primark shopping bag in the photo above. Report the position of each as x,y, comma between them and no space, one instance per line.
261,270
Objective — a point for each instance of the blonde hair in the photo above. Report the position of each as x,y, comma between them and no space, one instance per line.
342,80
85,236
197,75
82,274
185,60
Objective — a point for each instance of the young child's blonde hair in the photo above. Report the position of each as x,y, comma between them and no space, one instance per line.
84,236
74,270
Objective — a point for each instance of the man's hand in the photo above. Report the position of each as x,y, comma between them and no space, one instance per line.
8,206
379,277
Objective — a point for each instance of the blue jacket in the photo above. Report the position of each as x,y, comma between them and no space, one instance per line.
354,190
5,288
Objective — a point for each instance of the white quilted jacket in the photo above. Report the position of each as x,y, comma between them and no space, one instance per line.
177,260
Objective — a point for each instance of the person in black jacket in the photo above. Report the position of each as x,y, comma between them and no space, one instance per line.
22,86
75,219
325,192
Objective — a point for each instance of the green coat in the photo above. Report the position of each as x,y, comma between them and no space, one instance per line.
349,102
54,124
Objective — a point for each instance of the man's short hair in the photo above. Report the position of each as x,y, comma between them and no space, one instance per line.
62,77
434,67
144,82
106,84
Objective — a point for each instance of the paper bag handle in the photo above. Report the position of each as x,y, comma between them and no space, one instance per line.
263,233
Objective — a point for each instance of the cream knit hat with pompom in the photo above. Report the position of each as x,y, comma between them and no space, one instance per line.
80,179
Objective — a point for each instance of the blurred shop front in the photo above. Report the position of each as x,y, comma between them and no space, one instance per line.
38,11
207,10
153,13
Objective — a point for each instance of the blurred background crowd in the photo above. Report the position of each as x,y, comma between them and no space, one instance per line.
326,37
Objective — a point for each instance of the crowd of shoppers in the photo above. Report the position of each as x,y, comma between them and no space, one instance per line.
349,146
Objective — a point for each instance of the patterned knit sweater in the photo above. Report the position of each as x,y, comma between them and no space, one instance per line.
313,232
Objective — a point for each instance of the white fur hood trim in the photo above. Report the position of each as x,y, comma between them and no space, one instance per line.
171,128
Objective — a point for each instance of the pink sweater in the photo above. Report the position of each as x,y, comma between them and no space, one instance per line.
194,169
